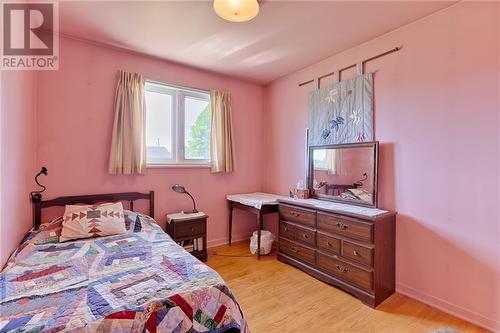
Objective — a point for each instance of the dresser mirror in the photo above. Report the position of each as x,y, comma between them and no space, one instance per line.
344,173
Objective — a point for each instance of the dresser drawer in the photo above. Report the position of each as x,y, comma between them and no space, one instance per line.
297,251
358,253
344,271
297,233
349,228
298,215
328,244
189,229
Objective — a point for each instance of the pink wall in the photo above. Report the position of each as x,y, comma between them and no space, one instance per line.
17,166
437,118
75,114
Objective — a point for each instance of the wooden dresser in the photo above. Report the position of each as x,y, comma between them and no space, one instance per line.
351,251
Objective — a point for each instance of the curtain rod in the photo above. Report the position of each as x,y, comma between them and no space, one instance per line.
353,65
177,86
170,84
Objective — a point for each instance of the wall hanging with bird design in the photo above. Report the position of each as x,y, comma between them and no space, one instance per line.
342,112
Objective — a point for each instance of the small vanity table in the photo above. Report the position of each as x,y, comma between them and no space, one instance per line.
257,203
348,244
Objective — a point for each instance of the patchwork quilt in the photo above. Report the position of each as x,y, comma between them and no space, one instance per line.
141,281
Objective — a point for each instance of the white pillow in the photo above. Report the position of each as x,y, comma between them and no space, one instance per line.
92,221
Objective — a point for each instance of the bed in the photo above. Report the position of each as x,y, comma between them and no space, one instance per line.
140,281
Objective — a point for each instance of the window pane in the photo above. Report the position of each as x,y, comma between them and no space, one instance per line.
158,127
197,123
319,158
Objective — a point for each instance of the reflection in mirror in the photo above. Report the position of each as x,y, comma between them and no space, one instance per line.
345,173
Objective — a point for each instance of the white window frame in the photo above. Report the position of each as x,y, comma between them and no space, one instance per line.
178,94
321,168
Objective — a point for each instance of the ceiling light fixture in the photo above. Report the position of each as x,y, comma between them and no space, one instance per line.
236,10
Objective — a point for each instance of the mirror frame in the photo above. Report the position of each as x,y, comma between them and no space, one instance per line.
310,173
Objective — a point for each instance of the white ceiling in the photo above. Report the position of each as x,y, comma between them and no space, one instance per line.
284,37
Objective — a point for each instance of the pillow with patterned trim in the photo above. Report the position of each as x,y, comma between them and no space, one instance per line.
92,221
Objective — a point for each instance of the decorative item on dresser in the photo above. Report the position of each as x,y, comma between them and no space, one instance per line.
187,230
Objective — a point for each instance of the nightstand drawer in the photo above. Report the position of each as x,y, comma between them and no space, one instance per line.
189,229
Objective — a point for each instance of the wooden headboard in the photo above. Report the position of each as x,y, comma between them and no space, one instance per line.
92,199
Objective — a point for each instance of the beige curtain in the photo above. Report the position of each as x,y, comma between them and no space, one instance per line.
128,144
221,137
333,161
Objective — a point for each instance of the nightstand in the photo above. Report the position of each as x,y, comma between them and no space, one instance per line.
189,231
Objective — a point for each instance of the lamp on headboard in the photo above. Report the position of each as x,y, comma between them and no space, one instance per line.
36,196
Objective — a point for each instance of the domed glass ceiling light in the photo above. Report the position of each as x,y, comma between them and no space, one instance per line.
236,10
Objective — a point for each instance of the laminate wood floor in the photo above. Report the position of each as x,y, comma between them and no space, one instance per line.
277,297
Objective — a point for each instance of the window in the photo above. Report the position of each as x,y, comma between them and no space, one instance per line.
319,159
178,124
327,160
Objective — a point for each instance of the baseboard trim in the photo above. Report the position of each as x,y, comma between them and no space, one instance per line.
225,240
453,309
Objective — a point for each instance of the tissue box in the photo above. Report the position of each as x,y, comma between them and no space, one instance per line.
299,193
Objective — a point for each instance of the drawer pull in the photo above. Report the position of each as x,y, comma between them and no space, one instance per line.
285,229
305,236
356,253
341,226
192,228
295,214
328,243
295,250
342,269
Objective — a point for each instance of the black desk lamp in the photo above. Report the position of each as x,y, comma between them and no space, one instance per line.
36,196
180,189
